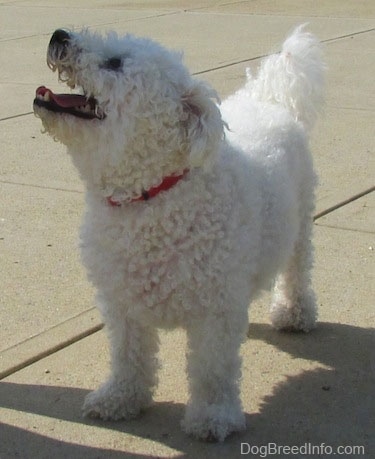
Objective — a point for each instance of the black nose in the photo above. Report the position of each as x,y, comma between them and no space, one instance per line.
59,37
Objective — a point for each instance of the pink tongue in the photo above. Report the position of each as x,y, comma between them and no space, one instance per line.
63,100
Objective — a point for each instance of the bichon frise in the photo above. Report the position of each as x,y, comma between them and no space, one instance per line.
191,211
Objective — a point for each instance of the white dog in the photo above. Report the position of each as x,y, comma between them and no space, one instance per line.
191,210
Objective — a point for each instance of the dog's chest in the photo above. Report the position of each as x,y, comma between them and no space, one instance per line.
157,259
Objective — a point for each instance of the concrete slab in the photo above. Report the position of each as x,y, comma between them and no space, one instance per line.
333,8
351,59
139,5
344,156
42,280
343,277
295,388
29,157
351,62
40,262
22,20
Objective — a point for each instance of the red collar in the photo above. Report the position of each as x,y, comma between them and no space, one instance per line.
166,184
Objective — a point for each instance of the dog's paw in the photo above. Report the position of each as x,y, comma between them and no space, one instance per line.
114,402
213,423
296,317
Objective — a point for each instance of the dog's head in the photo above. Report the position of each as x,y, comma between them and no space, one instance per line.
134,108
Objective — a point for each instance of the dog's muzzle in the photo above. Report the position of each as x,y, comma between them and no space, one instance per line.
61,55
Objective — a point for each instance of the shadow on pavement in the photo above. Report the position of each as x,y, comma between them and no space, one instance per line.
334,405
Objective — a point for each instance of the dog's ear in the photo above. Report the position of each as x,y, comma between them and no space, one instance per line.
202,123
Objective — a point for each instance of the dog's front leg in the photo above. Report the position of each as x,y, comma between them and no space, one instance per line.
214,371
130,385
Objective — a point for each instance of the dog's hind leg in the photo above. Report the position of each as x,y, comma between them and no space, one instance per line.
129,387
294,306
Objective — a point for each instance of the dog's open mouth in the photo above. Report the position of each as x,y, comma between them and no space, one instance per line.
73,104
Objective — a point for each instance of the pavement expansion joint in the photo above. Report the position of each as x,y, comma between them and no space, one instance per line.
343,203
52,350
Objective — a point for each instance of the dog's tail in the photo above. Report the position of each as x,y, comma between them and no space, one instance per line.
294,77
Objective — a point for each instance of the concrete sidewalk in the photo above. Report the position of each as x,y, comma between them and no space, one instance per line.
314,389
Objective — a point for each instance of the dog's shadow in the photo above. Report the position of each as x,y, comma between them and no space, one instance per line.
333,404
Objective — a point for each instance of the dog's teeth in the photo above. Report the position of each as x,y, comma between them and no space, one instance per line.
84,108
44,97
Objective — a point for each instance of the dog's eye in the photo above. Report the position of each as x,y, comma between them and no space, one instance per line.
113,63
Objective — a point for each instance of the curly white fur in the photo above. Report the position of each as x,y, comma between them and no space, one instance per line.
196,255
